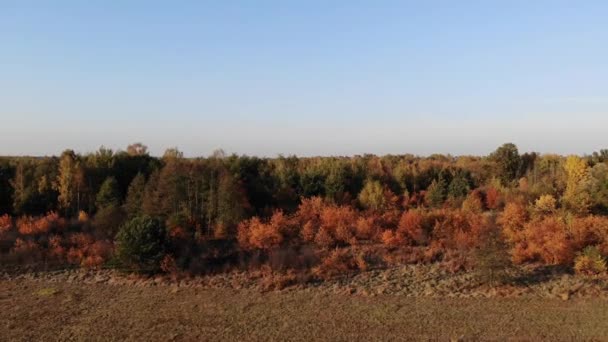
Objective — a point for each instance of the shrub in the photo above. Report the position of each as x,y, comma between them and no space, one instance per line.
169,265
309,231
56,250
28,225
492,198
545,205
590,262
411,227
84,250
588,231
310,209
255,234
474,202
512,221
97,254
366,228
376,197
340,222
338,262
6,223
372,196
456,229
392,239
141,244
324,238
546,240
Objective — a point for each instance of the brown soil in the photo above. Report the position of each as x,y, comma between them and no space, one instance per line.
34,308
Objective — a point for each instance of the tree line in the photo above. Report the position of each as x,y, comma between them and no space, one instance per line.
74,201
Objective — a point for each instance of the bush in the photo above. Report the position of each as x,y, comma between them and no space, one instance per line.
6,223
339,262
492,198
545,240
473,202
141,244
590,262
545,205
34,226
512,220
255,234
391,239
411,227
85,251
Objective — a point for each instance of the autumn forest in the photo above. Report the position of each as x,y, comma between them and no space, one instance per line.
309,219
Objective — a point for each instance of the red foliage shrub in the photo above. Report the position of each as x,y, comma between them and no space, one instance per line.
492,198
255,234
310,209
389,219
460,230
81,240
169,265
340,223
416,199
97,253
338,262
309,231
56,250
434,252
589,231
6,223
366,228
309,217
28,225
411,227
512,221
324,238
545,240
328,224
25,247
87,252
392,239
75,255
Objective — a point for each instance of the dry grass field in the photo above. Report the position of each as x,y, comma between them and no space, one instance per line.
38,310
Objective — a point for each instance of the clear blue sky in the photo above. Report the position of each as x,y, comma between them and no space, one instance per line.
306,77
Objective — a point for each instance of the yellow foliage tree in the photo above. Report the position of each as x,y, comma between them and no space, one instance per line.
577,197
546,204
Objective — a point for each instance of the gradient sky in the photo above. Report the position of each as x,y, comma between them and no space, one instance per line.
303,77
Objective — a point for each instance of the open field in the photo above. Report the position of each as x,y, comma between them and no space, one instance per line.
42,310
